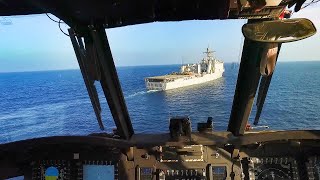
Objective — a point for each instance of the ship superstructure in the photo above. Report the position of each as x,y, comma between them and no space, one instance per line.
208,69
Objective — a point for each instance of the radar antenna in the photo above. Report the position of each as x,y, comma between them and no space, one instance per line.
209,52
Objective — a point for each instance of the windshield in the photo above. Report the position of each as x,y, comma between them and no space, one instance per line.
43,92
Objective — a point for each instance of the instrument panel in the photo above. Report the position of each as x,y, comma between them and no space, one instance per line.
62,169
190,162
276,160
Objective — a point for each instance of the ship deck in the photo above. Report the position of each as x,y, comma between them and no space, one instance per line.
170,76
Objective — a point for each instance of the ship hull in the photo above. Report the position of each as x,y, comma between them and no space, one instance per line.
183,82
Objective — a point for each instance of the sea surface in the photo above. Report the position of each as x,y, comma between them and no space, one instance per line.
37,104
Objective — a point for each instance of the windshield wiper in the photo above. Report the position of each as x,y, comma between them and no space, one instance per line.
263,91
96,63
262,94
88,79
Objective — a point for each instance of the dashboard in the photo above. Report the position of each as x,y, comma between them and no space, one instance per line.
225,158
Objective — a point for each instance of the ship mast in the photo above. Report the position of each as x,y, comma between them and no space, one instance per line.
210,62
209,53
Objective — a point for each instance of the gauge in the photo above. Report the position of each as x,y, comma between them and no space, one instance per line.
313,167
273,168
51,169
272,174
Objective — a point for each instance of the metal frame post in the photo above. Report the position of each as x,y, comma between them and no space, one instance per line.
247,84
89,82
110,82
96,64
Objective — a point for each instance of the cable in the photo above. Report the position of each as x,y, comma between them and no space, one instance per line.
51,18
312,2
59,23
307,4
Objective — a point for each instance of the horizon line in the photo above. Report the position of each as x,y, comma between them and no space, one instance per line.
121,66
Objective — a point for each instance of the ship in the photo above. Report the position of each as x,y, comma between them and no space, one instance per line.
208,69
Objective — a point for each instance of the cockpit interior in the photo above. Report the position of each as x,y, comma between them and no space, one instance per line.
181,152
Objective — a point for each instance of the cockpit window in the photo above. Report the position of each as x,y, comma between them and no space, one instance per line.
42,89
166,70
155,85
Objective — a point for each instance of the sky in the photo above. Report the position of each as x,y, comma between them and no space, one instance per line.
33,43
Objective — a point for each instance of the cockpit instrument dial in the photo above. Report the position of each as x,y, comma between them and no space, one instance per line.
51,169
273,168
273,173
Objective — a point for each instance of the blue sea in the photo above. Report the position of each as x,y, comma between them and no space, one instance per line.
37,104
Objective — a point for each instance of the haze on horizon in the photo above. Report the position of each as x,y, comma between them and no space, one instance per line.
34,43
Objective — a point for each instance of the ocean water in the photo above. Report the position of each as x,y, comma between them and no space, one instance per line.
37,104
